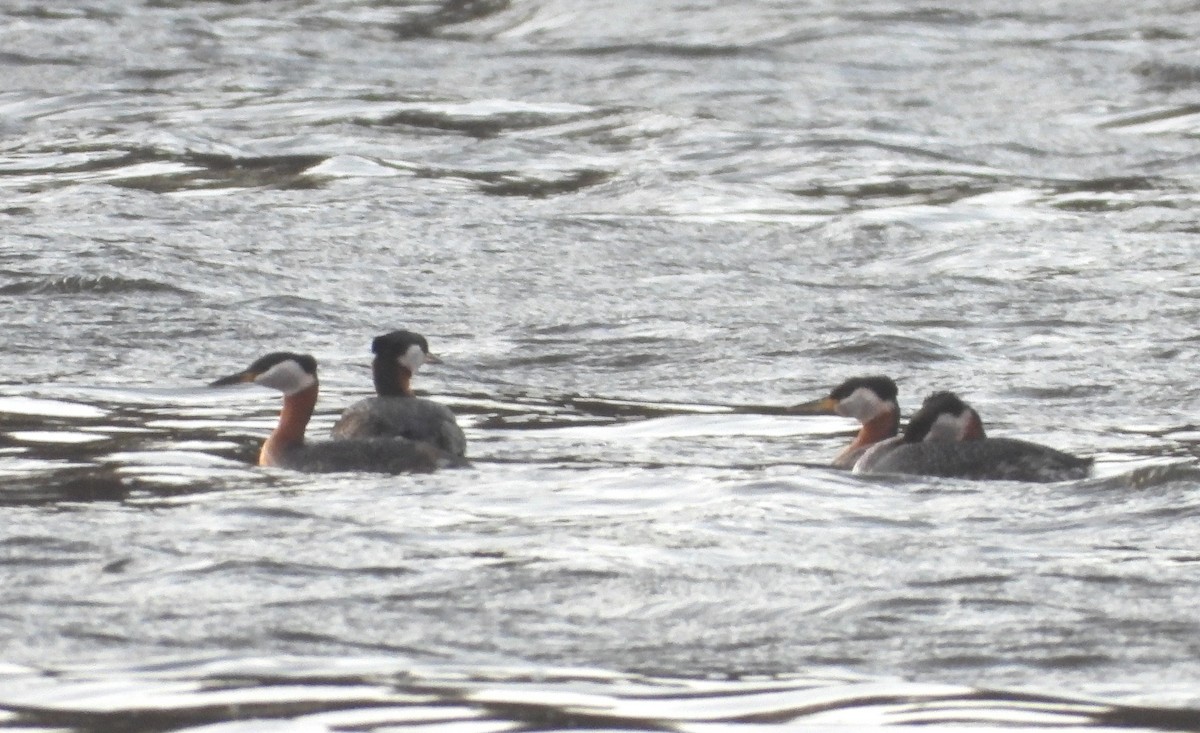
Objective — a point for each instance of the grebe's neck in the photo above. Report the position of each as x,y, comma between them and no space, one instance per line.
881,427
974,428
289,433
391,379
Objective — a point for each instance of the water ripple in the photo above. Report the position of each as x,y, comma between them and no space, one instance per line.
391,696
88,284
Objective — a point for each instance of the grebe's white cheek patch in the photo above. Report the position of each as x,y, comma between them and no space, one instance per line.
287,377
412,359
946,427
862,403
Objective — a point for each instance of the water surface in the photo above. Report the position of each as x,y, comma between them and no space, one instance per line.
632,232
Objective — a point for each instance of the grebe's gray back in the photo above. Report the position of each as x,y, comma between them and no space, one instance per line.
946,438
396,411
295,375
870,400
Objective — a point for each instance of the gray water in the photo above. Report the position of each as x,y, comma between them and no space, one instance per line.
632,232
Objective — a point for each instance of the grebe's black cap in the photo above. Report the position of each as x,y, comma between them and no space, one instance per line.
264,363
398,342
883,387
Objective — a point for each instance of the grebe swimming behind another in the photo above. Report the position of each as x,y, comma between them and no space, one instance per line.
396,411
872,400
295,375
946,438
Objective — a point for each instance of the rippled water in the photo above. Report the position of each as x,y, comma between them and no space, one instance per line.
632,232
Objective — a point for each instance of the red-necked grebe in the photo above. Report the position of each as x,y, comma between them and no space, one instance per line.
946,438
872,401
396,412
295,375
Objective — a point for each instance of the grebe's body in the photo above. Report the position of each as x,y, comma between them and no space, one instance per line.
872,401
946,438
396,411
295,375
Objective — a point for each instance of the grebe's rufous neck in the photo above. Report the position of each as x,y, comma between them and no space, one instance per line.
870,400
946,438
395,411
295,375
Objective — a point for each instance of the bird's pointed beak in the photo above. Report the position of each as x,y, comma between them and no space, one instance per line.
432,359
823,406
238,378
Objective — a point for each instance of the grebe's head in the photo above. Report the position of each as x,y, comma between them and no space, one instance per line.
863,398
282,370
409,350
943,416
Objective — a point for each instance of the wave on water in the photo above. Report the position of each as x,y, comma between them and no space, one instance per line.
673,50
200,171
887,347
154,169
54,484
1160,119
376,694
163,172
486,118
87,284
1147,477
1168,76
449,13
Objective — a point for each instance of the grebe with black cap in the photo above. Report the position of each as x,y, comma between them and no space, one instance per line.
295,375
872,401
396,411
946,438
